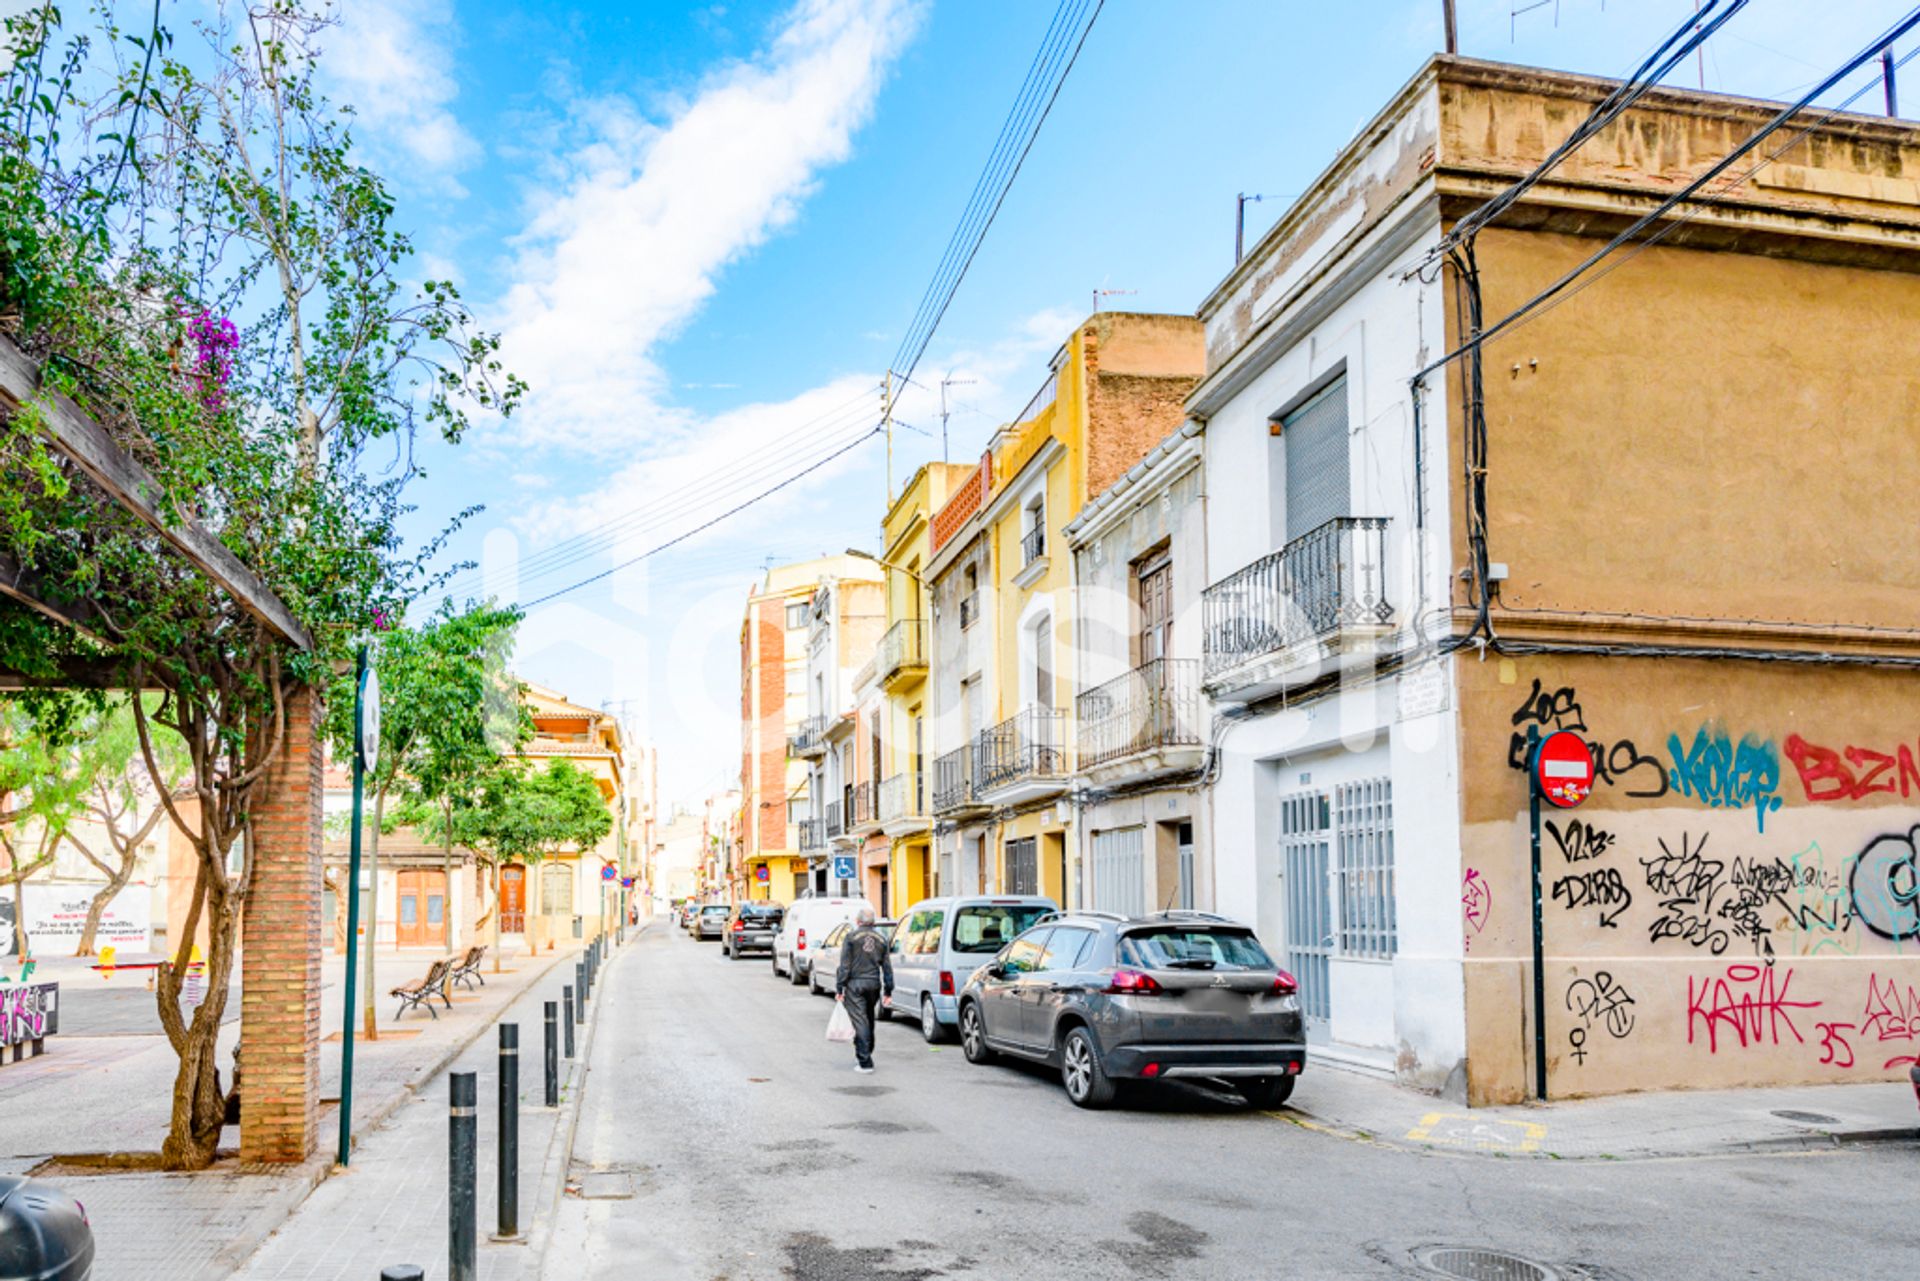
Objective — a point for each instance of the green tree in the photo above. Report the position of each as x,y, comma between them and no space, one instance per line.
438,683
39,794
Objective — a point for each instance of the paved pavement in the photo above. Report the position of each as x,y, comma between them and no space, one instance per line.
722,1137
109,1093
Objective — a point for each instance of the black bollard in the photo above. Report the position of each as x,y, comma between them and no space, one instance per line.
566,1009
580,988
553,1054
403,1272
509,1162
463,1143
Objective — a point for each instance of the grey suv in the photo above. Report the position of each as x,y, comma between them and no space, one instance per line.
1151,998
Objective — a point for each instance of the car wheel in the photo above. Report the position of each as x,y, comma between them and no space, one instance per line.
973,1036
794,976
813,984
1265,1092
773,958
1088,1084
930,1029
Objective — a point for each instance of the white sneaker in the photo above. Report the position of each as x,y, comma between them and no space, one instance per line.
865,1071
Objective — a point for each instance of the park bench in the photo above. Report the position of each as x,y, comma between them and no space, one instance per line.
421,992
467,969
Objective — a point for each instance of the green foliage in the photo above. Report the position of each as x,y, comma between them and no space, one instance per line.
522,815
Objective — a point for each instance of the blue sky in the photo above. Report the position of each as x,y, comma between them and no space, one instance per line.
702,231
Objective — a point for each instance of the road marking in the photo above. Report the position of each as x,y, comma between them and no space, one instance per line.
1457,1129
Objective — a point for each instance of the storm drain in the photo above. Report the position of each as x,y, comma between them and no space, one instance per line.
1482,1265
1808,1118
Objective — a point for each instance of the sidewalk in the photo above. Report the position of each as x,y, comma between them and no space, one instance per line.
1621,1127
98,1091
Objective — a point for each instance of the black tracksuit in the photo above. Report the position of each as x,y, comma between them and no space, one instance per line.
864,976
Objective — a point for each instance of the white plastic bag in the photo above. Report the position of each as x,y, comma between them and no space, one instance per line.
839,1024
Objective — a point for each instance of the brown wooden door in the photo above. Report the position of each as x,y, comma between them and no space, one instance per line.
422,912
513,899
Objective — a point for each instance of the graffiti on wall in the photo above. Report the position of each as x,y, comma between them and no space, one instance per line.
1885,885
1745,1006
1476,901
1597,1001
1852,773
1601,888
1618,764
1891,1014
28,1013
1723,774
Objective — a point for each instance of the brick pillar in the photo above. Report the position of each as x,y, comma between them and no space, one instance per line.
280,960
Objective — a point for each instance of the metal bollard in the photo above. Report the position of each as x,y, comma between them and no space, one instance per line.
463,1154
508,1228
553,1054
580,988
566,1008
403,1272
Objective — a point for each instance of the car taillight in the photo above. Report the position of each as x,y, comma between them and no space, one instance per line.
1150,1071
739,925
946,982
1132,983
800,941
1283,984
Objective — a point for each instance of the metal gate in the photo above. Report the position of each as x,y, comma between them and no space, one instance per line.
1023,866
1305,825
1120,871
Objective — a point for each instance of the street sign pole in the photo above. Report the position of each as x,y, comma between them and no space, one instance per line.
353,917
1539,940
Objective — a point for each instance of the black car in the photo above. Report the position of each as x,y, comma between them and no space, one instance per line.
751,928
1106,997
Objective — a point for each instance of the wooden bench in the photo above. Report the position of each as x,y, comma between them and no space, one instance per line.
467,969
421,992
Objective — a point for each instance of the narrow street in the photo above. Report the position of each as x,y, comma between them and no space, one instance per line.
723,1137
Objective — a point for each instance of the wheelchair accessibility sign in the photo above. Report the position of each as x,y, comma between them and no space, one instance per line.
843,867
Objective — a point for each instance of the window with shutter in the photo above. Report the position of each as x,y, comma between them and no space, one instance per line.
1315,439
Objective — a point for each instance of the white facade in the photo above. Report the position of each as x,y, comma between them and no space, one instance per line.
1335,811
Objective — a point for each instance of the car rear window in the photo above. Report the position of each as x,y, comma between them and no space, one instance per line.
714,909
986,928
1175,947
769,914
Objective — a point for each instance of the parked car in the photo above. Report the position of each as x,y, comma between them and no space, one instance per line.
942,941
750,928
808,921
683,915
824,969
1107,998
710,922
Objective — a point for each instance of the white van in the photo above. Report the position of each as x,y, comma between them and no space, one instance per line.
807,923
940,942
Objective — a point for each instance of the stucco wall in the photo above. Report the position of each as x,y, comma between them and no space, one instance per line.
1735,905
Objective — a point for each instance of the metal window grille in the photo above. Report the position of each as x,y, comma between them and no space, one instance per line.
1305,825
1315,439
1363,815
1120,871
1023,866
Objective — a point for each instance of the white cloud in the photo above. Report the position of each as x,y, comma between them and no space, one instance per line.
393,60
628,247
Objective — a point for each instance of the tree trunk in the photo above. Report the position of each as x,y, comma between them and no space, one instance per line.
446,862
370,1007
199,1101
20,916
98,909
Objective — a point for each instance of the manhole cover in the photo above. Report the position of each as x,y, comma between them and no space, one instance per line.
1808,1118
1482,1265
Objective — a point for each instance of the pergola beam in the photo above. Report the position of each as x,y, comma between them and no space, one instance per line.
17,584
87,444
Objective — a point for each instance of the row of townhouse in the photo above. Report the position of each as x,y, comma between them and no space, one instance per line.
1259,611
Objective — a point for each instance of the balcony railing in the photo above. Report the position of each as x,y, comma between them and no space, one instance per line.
836,819
969,608
1329,578
860,807
902,797
1025,746
1033,545
813,835
809,737
902,650
1155,705
953,780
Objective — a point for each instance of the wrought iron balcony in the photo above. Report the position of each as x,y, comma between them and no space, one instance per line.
953,780
902,654
1269,625
1156,705
1033,545
1026,753
862,815
903,799
813,835
809,737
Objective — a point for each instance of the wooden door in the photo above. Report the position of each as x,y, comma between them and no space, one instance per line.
513,899
422,912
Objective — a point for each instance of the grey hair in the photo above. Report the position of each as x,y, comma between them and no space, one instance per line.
863,915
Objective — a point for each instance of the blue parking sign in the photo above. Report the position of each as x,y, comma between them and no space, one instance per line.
843,867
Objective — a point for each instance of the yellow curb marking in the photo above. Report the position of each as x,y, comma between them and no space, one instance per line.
1457,1129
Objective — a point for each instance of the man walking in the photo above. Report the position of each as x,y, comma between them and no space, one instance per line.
864,977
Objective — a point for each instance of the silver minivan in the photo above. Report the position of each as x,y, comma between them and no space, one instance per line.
940,942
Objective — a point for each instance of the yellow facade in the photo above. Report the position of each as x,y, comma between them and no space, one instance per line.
569,884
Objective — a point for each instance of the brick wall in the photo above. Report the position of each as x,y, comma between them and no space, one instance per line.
770,751
280,964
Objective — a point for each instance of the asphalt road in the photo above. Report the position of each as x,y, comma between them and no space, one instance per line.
723,1137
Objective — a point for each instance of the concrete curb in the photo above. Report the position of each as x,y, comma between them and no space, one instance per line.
563,1134
318,1168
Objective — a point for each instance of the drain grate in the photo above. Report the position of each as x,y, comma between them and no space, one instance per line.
1482,1265
1808,1118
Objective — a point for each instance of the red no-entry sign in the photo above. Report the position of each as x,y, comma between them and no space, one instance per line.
1563,769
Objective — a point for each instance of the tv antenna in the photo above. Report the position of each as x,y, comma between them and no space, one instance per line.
951,381
1098,294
